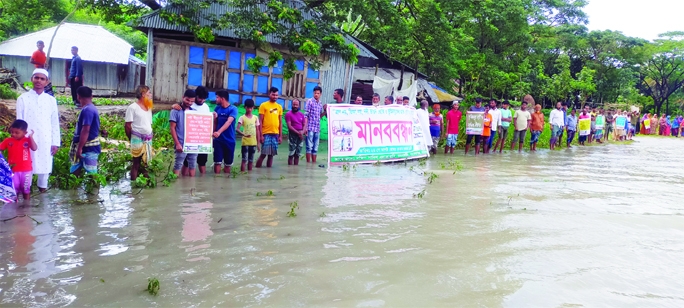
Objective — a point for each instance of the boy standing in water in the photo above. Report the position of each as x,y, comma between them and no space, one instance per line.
314,113
85,147
436,123
453,119
252,129
506,118
19,147
296,125
487,131
522,122
536,126
224,136
571,126
270,114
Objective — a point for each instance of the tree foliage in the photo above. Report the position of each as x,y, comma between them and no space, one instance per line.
502,49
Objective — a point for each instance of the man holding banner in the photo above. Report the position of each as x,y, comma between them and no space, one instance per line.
600,123
177,126
474,125
584,124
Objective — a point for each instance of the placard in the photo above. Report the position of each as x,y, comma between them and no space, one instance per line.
600,121
647,124
584,127
620,122
474,122
368,134
199,128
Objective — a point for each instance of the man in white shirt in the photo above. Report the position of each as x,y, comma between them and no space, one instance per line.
39,110
557,122
496,121
424,118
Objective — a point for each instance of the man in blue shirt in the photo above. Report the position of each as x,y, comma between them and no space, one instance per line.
85,147
225,116
75,74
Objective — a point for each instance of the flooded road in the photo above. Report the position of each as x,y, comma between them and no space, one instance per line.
595,226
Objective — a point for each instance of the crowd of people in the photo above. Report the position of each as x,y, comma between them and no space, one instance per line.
498,118
35,135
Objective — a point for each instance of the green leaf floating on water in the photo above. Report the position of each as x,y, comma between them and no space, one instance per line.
153,286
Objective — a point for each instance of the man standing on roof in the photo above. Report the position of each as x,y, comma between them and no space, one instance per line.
75,74
39,110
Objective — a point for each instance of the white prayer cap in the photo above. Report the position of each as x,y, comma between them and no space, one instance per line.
454,103
41,71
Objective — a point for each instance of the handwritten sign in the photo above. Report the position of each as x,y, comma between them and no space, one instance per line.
474,123
367,134
600,121
199,127
585,127
647,124
620,122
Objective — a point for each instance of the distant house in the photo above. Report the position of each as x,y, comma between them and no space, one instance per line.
109,67
383,67
178,63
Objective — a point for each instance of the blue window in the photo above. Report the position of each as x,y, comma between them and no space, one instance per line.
247,57
234,61
309,89
300,65
311,73
277,82
194,76
212,96
281,102
248,83
234,81
233,98
278,69
196,55
262,84
260,100
216,54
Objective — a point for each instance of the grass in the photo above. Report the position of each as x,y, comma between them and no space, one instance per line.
97,101
7,93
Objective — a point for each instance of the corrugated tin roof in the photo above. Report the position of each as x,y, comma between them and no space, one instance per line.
95,44
154,21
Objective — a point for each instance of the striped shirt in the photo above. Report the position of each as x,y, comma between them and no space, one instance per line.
313,114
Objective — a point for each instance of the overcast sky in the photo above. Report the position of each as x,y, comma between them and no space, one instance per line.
638,18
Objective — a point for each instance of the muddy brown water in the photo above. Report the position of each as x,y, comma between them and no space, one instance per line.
595,226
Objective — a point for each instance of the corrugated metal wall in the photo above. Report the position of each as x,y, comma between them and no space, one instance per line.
339,76
96,75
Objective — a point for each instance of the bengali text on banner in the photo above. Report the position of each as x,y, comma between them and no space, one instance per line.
199,127
367,134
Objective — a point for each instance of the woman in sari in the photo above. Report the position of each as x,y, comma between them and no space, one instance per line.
644,130
662,123
654,124
668,126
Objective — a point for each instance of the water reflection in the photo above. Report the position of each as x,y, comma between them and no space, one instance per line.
593,226
196,220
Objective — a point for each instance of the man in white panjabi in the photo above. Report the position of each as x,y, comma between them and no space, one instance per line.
39,110
424,119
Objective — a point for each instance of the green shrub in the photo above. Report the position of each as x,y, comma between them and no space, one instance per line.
7,93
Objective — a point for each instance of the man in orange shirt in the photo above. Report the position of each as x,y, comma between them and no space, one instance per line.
536,126
487,131
39,58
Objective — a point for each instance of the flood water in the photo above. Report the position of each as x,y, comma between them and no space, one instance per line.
595,226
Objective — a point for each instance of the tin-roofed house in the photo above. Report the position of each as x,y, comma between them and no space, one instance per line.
178,63
109,67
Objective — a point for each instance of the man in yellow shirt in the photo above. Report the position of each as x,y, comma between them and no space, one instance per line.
270,117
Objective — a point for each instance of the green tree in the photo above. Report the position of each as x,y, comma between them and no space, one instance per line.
662,75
